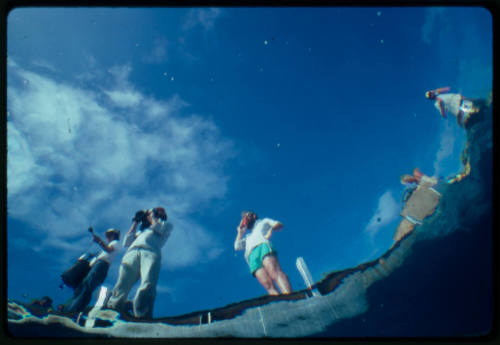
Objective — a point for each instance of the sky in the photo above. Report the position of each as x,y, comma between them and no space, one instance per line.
308,116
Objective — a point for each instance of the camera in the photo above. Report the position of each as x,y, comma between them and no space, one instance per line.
140,216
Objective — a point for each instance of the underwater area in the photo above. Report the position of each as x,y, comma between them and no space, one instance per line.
152,152
436,281
445,287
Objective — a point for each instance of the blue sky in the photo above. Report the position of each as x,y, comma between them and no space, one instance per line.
305,115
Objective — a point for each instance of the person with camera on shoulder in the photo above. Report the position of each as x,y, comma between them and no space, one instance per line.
141,260
99,267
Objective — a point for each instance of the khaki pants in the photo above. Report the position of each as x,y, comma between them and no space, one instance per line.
137,263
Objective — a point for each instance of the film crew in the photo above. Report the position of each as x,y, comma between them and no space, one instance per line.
141,260
99,267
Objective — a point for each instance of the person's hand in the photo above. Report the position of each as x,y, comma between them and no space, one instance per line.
241,229
139,216
277,227
243,223
95,238
151,219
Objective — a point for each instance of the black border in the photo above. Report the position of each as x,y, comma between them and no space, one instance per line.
8,5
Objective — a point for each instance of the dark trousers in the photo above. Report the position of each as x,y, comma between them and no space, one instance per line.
83,292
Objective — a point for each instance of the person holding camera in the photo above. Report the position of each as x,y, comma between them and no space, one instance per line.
261,257
141,260
99,267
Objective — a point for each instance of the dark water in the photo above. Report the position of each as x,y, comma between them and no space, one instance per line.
445,288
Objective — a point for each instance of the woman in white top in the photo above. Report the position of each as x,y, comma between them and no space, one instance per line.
261,257
98,271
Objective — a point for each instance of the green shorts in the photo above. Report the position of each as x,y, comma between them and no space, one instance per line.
258,254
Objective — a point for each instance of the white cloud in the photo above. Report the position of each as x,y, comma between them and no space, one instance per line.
128,98
121,74
446,146
201,17
433,14
196,20
122,92
23,167
159,52
156,110
387,210
187,244
44,64
76,160
11,63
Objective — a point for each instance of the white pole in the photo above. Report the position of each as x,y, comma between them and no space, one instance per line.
304,272
103,294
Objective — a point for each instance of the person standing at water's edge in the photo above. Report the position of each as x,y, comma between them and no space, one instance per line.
453,103
259,253
98,271
142,260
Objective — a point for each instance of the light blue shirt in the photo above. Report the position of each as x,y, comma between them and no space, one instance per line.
152,238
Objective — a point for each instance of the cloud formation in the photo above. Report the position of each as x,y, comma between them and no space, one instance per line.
159,52
198,17
387,210
44,64
446,147
433,14
79,156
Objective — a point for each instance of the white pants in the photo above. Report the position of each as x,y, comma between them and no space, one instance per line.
137,263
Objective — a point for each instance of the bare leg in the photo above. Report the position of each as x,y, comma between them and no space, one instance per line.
273,269
266,281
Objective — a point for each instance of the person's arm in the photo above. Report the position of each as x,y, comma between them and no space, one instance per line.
102,244
159,226
130,235
239,242
442,90
162,228
276,227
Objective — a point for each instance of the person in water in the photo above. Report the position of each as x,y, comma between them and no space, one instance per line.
260,255
452,103
99,267
141,260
